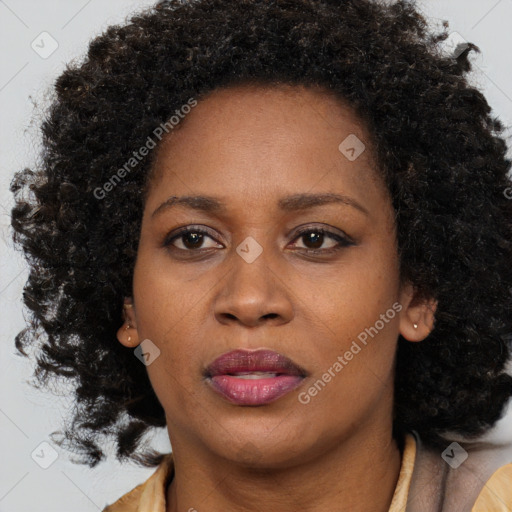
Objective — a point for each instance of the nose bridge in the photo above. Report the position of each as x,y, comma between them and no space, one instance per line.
252,287
250,265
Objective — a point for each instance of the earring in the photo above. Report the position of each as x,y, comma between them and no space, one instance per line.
128,325
415,326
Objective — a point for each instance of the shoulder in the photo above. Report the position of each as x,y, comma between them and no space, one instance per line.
128,502
150,495
496,494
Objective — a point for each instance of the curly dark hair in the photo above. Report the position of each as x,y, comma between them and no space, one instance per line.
441,154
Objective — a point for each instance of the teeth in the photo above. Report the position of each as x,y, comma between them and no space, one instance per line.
255,375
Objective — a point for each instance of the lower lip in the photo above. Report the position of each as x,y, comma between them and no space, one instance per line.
254,391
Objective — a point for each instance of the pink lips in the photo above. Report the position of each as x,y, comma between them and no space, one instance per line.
255,377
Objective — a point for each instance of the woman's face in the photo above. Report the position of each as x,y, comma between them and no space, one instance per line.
330,302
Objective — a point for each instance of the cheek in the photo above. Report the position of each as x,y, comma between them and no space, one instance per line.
174,374
170,312
165,301
354,314
353,295
352,360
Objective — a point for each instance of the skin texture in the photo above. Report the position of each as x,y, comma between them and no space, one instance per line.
250,147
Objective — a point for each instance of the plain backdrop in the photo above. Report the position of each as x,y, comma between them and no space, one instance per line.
29,31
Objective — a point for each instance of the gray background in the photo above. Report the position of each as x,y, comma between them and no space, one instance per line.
28,416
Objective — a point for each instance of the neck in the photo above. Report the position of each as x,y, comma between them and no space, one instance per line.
357,475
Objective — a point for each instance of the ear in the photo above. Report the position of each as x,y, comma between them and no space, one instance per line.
417,314
127,334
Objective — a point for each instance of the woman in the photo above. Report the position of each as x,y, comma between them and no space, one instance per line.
300,208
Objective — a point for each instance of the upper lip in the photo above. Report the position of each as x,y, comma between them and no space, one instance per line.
261,360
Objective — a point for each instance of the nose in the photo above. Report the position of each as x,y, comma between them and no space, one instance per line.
254,291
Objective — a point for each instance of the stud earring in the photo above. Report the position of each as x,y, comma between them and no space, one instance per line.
129,337
128,326
415,326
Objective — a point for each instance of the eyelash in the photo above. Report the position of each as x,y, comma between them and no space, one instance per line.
343,241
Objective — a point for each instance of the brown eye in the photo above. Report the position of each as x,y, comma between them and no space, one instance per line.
191,238
314,238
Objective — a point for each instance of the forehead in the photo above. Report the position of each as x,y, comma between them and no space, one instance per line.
254,136
268,110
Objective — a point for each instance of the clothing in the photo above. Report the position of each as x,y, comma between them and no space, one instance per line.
426,483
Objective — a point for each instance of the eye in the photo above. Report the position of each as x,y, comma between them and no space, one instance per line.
190,237
316,237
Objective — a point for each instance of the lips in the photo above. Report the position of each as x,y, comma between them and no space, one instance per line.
253,377
246,361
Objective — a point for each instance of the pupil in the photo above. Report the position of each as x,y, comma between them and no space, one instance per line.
318,236
195,237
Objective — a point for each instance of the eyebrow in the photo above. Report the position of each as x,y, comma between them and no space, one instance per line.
295,202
